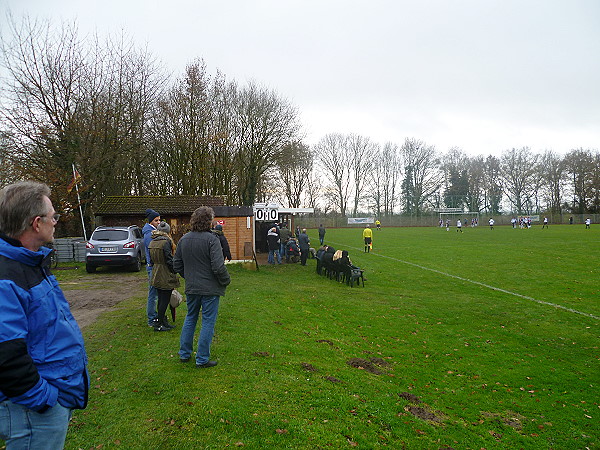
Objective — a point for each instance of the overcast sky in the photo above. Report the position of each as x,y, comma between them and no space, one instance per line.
481,75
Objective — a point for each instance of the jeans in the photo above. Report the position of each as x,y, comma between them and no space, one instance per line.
152,295
281,251
23,428
209,304
271,259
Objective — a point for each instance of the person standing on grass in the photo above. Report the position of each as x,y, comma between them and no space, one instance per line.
223,240
199,260
43,363
491,223
284,235
459,226
378,224
321,234
368,237
304,243
588,222
164,278
153,221
545,223
273,244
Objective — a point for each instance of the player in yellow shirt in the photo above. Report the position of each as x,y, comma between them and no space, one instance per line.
368,236
378,224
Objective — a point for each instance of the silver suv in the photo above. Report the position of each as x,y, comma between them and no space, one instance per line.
115,246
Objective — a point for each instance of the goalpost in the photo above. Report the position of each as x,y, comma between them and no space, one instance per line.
457,213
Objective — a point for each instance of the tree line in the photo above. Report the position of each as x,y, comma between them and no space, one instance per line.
110,108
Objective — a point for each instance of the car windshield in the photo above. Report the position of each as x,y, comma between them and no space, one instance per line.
110,235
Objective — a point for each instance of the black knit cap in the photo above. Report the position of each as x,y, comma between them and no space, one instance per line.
151,214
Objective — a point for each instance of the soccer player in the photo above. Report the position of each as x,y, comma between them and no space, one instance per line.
368,236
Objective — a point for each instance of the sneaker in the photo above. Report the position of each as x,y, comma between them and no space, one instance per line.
206,365
162,328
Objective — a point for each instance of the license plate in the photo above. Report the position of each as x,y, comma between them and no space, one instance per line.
108,249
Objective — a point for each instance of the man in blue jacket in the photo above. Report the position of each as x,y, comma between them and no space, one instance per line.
43,374
153,221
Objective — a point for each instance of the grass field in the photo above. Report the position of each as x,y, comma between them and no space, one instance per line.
486,339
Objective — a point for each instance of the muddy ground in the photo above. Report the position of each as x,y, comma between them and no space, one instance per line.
92,295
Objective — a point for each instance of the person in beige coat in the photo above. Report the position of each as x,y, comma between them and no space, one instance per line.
164,278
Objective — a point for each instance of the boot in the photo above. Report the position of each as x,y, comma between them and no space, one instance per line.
158,326
166,324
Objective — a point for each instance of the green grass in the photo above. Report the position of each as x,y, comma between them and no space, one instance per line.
491,369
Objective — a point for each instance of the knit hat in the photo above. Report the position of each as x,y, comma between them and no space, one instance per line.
151,214
219,227
164,227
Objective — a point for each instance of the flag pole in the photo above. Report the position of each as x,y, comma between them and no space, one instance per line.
79,202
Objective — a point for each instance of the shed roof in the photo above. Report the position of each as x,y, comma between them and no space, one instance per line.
164,204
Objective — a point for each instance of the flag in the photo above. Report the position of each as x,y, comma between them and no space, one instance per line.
74,181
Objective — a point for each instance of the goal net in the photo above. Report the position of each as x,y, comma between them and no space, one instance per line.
467,218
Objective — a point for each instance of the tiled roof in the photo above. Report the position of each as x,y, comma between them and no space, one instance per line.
166,204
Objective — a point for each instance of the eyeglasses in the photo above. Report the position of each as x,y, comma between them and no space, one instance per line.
54,218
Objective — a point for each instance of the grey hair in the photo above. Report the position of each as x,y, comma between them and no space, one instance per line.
19,204
202,219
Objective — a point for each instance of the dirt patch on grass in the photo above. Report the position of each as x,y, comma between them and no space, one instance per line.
424,414
308,367
333,379
410,397
102,295
370,366
508,418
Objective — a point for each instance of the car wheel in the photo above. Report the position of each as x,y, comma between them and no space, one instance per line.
89,268
137,265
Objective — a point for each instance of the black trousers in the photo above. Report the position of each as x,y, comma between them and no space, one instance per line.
303,256
164,298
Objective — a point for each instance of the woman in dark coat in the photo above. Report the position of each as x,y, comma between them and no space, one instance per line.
224,244
164,278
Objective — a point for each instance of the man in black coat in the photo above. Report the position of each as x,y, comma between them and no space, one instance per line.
304,243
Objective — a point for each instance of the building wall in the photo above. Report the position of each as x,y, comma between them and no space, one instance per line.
238,235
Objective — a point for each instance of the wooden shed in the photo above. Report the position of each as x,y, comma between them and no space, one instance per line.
237,221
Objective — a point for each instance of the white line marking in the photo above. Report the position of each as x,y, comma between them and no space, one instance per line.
542,302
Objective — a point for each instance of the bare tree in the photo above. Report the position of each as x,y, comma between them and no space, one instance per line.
422,177
361,151
476,176
333,155
492,185
552,172
376,182
579,164
294,169
181,134
313,191
264,123
391,165
77,101
456,181
385,174
517,167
